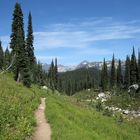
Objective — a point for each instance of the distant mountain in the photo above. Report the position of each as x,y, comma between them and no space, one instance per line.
61,68
83,64
46,67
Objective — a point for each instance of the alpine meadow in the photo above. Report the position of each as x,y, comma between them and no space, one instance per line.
70,70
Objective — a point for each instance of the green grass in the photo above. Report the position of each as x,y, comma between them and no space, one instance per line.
17,105
69,119
124,101
72,122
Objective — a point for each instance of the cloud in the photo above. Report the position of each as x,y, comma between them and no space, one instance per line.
5,40
80,34
95,51
80,38
47,58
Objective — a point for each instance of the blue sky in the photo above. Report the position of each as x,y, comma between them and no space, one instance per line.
77,30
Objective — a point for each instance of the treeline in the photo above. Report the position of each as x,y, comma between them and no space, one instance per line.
21,59
114,78
77,80
52,80
109,78
72,81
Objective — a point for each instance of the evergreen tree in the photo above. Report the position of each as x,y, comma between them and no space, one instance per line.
119,75
51,75
1,56
127,72
133,68
29,41
138,67
55,74
7,58
21,65
113,73
104,77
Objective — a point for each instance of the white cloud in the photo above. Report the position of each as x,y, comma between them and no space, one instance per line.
5,40
95,51
47,58
81,34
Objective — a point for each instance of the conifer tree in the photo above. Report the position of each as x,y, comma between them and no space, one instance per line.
29,41
1,56
127,72
7,58
17,39
119,75
55,74
21,65
113,73
133,68
51,75
104,77
138,67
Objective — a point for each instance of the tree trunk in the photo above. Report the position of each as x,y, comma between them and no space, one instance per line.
19,77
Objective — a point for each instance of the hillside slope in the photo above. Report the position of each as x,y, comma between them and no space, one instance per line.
71,121
17,105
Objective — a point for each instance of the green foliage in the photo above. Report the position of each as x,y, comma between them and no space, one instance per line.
138,68
104,77
127,72
1,56
17,106
133,68
77,122
120,119
29,41
53,75
39,76
119,75
107,112
113,73
18,43
123,100
7,58
78,80
99,106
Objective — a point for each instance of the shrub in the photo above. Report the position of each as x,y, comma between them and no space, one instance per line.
99,106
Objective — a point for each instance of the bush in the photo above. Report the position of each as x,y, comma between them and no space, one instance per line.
107,112
17,106
120,119
99,106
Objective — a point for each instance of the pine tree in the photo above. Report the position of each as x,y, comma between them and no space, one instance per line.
127,72
55,74
138,67
1,56
119,75
133,68
7,58
51,75
21,65
104,77
17,39
29,41
113,73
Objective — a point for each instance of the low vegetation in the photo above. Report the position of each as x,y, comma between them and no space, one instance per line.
72,121
17,105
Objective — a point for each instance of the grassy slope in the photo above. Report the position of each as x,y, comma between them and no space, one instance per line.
72,122
17,105
68,121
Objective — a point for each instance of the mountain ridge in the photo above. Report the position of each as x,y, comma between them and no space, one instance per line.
83,64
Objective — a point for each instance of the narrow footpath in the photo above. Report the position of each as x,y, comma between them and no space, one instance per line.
43,130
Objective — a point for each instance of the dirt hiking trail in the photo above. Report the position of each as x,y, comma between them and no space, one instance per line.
43,130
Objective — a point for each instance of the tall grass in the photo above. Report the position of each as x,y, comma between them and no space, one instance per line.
71,122
17,105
